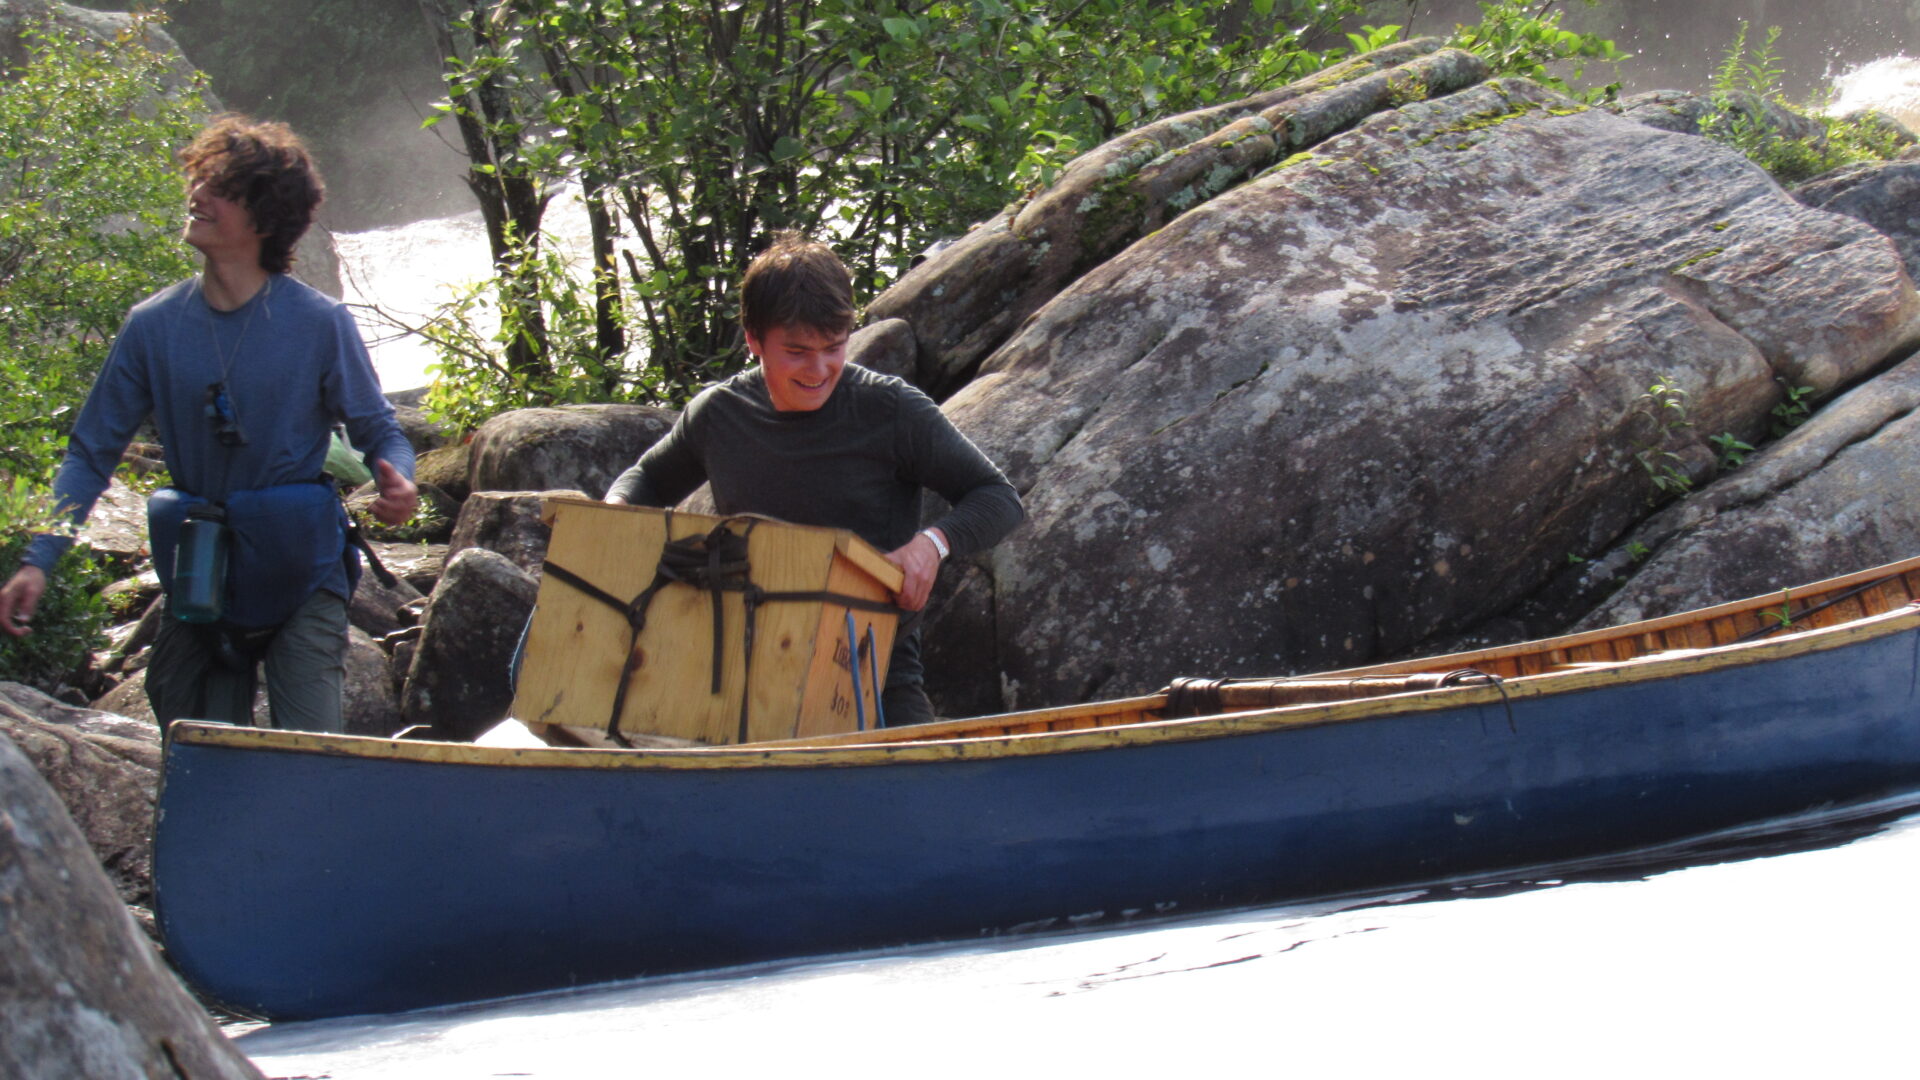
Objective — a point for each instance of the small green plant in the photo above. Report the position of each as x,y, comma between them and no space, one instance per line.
1664,409
1731,449
68,624
1783,619
1793,410
1663,468
1638,551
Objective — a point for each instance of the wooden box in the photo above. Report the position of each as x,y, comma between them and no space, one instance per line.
802,680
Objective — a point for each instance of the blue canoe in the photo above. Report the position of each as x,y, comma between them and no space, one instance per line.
302,876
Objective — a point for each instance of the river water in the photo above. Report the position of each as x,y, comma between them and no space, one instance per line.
1786,951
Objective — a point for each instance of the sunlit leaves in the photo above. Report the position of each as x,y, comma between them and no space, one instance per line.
878,125
89,204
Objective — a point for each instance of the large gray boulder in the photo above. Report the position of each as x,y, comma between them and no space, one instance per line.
567,446
1885,195
369,702
105,769
506,523
458,681
888,347
1689,113
1384,391
447,468
82,992
972,295
17,16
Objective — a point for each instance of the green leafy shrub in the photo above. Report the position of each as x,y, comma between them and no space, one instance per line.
1524,38
1663,413
68,624
693,132
1794,143
90,202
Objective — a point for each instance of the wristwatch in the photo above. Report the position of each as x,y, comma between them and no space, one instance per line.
939,545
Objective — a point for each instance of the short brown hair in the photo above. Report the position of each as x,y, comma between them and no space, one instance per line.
797,282
263,166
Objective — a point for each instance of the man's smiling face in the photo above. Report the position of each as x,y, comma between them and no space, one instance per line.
217,224
801,365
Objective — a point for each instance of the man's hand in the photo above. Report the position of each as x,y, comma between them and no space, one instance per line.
19,599
398,497
919,560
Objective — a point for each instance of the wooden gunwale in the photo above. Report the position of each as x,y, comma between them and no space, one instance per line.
1889,587
1023,734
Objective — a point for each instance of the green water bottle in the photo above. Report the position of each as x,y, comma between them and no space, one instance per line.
200,566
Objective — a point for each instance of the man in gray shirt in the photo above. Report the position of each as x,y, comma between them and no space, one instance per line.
807,438
244,371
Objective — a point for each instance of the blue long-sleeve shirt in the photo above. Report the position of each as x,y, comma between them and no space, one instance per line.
293,364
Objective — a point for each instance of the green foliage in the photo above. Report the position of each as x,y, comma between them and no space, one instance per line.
1782,619
68,624
473,379
1524,38
1663,408
1731,449
89,205
1793,410
1750,113
694,131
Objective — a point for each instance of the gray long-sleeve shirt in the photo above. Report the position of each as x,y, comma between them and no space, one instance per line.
858,462
293,363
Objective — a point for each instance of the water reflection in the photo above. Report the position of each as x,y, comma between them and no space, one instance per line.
1785,953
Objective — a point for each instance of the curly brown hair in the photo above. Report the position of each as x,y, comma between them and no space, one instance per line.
797,282
263,166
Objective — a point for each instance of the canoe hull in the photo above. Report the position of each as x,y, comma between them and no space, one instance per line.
300,877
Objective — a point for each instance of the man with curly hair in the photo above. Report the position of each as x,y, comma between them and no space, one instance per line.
244,370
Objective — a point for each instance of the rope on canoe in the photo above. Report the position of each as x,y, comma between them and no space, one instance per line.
1465,675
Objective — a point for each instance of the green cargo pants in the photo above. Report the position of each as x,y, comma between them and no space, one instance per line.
199,673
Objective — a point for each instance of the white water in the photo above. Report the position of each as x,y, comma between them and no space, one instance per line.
1790,965
409,271
1890,84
